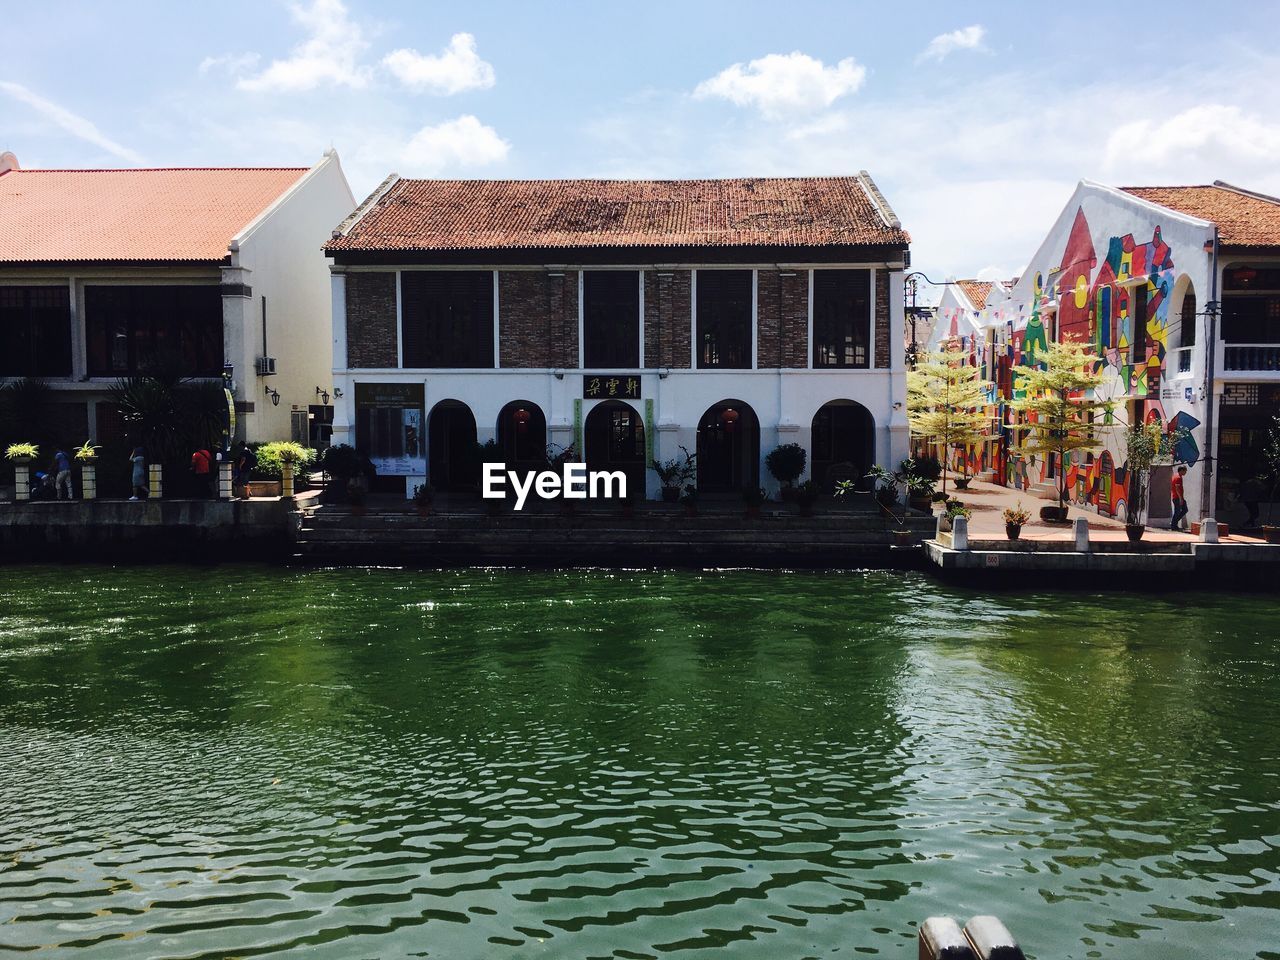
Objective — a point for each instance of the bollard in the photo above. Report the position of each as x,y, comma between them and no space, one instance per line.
21,482
991,940
155,485
225,490
1209,530
88,482
286,479
942,939
960,533
1082,534
939,528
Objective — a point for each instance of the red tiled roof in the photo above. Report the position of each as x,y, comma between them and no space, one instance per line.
1244,218
132,215
504,214
976,290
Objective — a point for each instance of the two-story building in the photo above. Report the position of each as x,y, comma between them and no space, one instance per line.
107,274
1177,289
623,319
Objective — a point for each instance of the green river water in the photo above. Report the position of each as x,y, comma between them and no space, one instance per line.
248,761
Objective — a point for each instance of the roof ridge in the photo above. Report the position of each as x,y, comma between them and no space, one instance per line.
369,203
1257,195
152,169
792,179
878,201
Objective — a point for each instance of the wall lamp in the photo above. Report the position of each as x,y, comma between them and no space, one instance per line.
558,374
274,395
664,372
323,395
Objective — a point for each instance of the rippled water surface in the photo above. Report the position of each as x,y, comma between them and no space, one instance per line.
384,763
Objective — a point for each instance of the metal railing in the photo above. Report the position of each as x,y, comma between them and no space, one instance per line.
1251,356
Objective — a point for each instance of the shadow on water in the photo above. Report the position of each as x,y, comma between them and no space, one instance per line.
487,763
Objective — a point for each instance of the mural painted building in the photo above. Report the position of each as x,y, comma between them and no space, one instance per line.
1177,289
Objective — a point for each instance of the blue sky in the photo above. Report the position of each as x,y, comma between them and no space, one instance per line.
975,119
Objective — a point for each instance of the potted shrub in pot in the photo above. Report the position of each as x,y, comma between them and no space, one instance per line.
1145,444
1014,518
675,474
884,489
22,454
785,463
690,500
806,497
87,456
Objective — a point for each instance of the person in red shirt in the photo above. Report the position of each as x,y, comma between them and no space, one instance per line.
201,462
1179,498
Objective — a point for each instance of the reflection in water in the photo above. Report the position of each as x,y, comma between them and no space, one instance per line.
385,763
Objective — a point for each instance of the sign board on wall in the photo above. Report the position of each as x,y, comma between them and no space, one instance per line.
610,386
389,427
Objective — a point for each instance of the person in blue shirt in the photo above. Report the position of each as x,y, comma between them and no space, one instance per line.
61,471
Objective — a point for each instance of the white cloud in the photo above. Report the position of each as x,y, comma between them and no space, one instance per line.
232,63
456,69
1203,141
461,143
966,38
779,84
72,123
329,56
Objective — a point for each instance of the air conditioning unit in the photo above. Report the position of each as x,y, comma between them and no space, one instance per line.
266,366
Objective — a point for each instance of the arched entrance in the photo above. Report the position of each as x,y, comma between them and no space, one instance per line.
614,439
843,444
522,436
451,445
728,448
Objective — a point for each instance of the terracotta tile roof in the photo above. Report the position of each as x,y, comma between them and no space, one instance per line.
131,215
976,290
1244,218
504,214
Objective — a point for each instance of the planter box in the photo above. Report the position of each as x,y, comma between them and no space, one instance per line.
263,488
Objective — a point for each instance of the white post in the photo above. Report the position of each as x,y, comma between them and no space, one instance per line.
1209,531
21,481
225,491
940,527
1082,534
88,481
960,533
155,476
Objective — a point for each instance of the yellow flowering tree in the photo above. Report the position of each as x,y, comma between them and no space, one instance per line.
1061,413
946,402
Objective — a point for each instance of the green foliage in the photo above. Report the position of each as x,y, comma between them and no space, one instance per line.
344,462
956,508
87,452
690,496
171,415
1059,406
274,455
786,462
1146,444
677,472
947,401
1017,515
22,451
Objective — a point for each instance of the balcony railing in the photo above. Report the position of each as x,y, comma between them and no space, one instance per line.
1178,363
1254,357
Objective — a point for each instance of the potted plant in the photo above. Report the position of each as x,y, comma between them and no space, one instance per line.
22,453
752,498
1145,444
786,462
919,485
806,496
87,453
1014,518
342,463
675,474
689,497
954,508
884,486
281,458
423,495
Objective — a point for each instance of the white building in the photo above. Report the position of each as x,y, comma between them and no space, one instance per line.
1178,290
105,273
626,319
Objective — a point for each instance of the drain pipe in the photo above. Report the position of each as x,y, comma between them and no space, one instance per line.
1213,308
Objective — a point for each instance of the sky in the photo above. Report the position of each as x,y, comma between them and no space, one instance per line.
975,119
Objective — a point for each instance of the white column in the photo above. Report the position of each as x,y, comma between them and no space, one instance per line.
338,294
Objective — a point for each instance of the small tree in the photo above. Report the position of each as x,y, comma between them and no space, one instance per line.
1146,444
786,462
946,403
1061,408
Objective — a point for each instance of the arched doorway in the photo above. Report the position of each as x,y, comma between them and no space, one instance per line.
843,444
522,436
614,439
451,445
728,448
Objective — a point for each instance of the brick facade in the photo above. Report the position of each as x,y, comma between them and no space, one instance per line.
371,320
537,318
668,312
782,305
882,320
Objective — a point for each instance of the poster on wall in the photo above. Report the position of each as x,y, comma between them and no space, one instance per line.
389,427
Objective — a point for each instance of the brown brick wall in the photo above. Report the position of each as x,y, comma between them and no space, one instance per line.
371,320
537,319
882,319
782,305
667,314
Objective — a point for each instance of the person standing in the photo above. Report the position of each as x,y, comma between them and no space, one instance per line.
139,479
200,466
1252,492
62,474
1179,498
